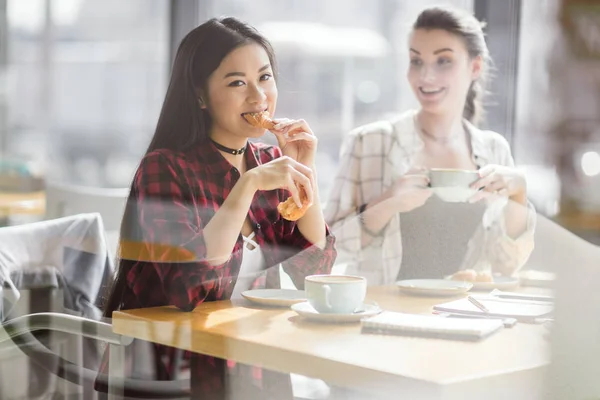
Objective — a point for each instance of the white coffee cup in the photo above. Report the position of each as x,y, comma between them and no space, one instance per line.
335,294
453,185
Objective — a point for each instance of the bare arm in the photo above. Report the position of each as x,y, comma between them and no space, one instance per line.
312,224
407,193
516,216
223,230
221,233
376,216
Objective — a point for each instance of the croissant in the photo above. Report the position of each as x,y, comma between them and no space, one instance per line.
484,277
260,120
470,275
290,210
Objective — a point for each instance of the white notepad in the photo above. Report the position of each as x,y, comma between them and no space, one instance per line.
395,323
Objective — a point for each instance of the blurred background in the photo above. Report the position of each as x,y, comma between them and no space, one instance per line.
82,81
81,87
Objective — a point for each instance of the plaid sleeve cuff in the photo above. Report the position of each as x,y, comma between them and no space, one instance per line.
505,253
309,259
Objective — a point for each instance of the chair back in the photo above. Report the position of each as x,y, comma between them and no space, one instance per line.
64,200
61,266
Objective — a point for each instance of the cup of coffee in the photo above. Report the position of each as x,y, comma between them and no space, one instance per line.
335,294
452,185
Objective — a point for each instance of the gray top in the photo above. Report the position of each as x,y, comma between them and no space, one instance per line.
435,237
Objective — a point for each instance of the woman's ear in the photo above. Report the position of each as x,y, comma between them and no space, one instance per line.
476,66
201,97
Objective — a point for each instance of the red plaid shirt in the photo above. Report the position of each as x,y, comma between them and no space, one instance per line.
176,195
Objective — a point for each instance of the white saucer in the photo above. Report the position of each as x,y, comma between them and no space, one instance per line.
433,287
307,311
500,282
275,297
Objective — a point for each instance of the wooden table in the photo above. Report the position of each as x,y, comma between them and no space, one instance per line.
509,364
29,203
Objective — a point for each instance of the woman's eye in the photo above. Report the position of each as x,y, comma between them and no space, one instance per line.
236,83
266,77
416,62
444,61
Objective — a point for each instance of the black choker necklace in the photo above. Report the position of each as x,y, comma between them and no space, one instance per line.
228,150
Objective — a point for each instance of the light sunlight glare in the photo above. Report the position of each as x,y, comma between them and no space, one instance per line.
590,163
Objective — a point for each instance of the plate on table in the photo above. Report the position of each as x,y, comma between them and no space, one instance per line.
433,287
275,297
305,310
537,278
500,283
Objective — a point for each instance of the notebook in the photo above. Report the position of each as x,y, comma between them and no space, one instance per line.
525,311
395,323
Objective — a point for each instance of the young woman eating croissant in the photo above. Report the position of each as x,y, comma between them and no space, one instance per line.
236,208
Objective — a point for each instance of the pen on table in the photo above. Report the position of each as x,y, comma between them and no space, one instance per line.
521,296
508,322
478,304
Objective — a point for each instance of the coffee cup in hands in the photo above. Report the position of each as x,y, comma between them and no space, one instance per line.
453,185
335,294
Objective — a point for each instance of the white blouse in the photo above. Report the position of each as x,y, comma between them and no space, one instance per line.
253,264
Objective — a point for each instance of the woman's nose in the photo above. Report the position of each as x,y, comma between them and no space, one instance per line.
256,94
427,74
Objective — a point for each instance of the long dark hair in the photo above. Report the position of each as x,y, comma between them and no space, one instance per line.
182,124
470,30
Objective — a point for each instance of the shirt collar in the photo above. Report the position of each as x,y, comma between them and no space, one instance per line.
481,152
409,139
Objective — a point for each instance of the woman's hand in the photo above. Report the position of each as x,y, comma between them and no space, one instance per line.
410,191
502,181
284,173
296,140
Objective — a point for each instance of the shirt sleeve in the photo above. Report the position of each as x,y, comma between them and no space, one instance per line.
341,211
170,235
300,257
504,253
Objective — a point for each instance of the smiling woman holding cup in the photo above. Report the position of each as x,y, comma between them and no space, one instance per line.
427,194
